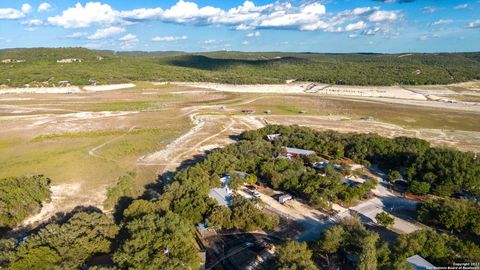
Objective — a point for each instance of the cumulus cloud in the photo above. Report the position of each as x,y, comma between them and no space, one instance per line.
107,32
474,24
11,14
442,22
34,22
248,16
169,38
43,7
380,16
85,16
26,8
356,26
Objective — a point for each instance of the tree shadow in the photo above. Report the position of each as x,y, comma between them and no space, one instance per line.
212,64
59,218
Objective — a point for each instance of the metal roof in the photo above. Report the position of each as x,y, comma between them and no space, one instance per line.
299,151
420,263
221,195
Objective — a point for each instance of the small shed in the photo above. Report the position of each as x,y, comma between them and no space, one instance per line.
284,198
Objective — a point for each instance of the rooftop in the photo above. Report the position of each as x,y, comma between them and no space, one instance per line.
419,263
299,151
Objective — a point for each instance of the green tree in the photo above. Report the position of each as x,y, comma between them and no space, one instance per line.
42,258
236,181
21,197
385,219
419,188
69,244
393,176
293,255
7,251
158,242
220,217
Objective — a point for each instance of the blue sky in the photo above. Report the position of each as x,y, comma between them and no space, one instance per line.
385,26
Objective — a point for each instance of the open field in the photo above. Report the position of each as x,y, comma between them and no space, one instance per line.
84,141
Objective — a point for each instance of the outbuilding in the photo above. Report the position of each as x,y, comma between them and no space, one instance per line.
284,198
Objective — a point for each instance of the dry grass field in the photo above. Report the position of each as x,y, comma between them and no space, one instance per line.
85,141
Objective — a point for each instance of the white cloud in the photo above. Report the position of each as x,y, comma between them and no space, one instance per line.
85,16
26,8
380,16
254,34
78,35
360,25
462,6
169,38
34,22
314,8
246,42
442,22
11,14
43,7
474,24
107,32
278,15
128,37
129,41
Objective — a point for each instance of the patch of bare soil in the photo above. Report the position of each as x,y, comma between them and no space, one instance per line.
65,198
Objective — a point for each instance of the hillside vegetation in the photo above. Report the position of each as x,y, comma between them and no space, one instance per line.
21,197
41,67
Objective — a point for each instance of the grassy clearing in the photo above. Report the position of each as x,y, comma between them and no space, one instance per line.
92,134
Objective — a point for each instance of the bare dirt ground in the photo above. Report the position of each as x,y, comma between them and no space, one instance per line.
66,89
321,89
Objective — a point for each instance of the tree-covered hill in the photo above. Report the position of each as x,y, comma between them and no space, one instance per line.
41,66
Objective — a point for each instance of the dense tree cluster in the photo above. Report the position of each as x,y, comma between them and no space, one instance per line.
234,67
243,215
158,242
64,245
294,255
440,171
21,197
452,214
438,248
350,243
